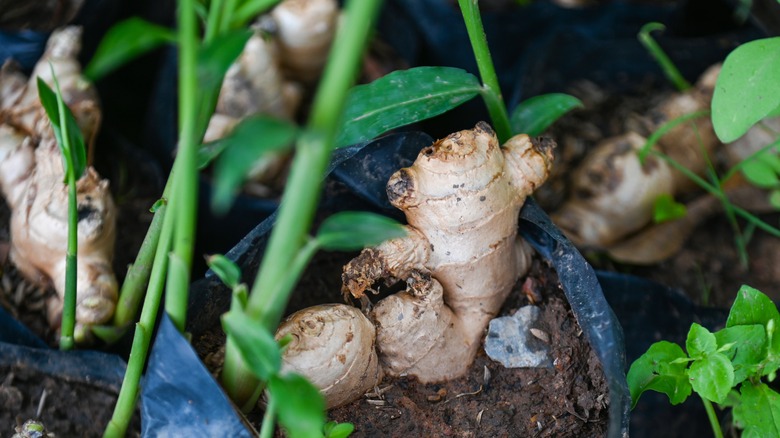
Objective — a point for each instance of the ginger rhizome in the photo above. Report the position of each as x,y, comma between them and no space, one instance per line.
613,192
271,75
460,259
31,179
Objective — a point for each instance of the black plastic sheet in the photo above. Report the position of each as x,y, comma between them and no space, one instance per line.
180,397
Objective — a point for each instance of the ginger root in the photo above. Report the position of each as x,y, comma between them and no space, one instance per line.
31,180
462,198
613,194
271,72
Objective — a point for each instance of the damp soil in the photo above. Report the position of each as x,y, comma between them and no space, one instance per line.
65,407
568,399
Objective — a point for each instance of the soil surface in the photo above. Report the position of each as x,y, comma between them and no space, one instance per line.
569,399
66,408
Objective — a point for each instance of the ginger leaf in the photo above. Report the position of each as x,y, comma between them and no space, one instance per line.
657,370
403,97
73,151
300,406
533,116
712,377
249,141
758,411
354,230
747,88
124,42
255,343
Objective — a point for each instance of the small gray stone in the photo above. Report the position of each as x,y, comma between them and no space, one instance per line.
510,342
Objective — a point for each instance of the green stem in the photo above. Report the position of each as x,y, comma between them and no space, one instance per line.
269,417
137,278
716,431
491,93
68,324
312,155
313,150
670,70
69,302
123,411
185,184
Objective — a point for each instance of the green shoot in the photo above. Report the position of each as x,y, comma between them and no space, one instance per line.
726,367
71,144
533,116
491,91
296,212
667,66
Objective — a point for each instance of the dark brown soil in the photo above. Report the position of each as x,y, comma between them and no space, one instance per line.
568,400
67,409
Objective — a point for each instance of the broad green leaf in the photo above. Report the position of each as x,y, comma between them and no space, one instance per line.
403,97
758,412
255,343
533,116
215,59
665,208
249,141
712,377
226,270
354,230
752,307
74,147
125,41
748,351
655,371
747,89
338,430
700,342
300,406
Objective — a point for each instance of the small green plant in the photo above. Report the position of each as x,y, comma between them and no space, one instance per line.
74,160
730,367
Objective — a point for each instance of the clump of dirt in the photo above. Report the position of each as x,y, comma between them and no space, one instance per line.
569,399
66,408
